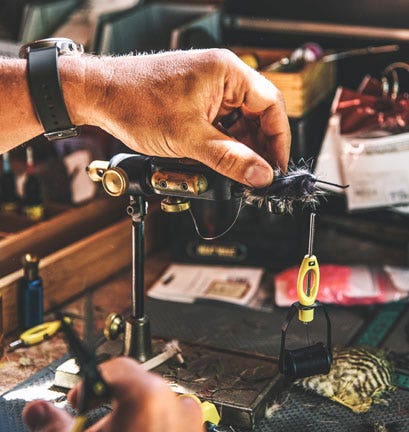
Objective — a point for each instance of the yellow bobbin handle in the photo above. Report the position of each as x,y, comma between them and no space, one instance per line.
309,264
209,410
79,424
40,332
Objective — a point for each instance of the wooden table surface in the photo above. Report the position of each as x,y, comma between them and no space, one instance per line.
112,296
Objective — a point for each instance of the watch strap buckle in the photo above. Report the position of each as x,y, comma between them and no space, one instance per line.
62,134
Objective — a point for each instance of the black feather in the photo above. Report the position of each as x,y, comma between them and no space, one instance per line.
298,185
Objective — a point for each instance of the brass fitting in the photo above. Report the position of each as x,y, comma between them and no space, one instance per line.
188,184
96,170
175,205
115,181
114,326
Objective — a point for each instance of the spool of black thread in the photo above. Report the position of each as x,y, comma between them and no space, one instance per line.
307,361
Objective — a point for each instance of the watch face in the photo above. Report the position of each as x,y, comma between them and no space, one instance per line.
65,46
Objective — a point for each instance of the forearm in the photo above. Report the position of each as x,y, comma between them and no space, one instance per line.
19,122
84,81
17,113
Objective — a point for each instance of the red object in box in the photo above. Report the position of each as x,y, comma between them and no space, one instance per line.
342,285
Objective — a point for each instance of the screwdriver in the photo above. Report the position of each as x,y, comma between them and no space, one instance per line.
35,335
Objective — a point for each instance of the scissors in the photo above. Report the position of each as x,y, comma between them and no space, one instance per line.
94,386
36,335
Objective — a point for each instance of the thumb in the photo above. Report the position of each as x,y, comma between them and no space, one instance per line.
231,158
41,416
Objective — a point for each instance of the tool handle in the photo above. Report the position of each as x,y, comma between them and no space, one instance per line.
209,410
308,265
79,424
40,332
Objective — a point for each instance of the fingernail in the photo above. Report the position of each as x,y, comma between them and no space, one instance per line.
36,415
258,176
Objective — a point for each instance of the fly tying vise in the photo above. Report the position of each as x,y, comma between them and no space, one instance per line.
179,181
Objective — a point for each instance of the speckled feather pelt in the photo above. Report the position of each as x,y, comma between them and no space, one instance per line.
359,377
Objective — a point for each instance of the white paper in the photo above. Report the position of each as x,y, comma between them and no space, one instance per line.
399,277
186,283
362,283
377,171
369,187
401,209
328,165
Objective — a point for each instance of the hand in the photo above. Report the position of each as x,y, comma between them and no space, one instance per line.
167,105
141,402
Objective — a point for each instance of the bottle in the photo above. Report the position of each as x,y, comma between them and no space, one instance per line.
32,192
8,187
31,293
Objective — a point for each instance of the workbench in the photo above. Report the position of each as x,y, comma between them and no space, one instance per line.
113,295
229,328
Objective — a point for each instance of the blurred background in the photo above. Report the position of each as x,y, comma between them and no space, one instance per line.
325,56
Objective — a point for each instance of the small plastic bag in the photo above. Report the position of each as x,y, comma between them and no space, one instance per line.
342,285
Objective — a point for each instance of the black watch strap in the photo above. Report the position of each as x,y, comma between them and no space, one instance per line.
46,93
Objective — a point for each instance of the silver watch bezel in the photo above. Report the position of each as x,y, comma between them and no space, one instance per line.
64,46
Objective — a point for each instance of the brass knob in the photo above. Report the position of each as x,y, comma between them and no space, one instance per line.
174,205
96,170
114,326
115,181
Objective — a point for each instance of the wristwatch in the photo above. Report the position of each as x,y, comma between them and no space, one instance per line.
45,87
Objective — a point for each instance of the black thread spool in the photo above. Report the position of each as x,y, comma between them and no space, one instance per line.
307,361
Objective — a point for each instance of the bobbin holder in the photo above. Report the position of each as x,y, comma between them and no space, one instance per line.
307,361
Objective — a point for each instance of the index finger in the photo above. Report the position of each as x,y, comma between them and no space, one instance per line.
142,401
264,99
126,379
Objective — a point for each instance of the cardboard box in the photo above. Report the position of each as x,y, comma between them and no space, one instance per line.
303,90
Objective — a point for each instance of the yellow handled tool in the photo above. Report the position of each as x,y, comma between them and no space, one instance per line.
36,335
309,268
211,417
79,423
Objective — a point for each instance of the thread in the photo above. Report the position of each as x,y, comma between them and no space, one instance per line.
307,361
